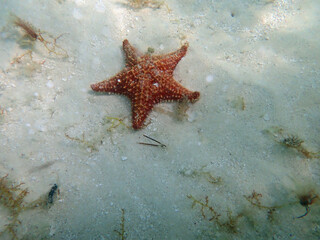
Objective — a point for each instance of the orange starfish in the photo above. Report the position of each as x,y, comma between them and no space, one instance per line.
147,80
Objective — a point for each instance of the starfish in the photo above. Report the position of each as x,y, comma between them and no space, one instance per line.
147,80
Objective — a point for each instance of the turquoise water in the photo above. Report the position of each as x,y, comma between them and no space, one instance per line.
240,163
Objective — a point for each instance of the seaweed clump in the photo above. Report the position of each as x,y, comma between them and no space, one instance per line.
32,35
209,213
255,200
291,141
115,122
122,233
304,200
201,173
90,146
29,65
307,199
11,197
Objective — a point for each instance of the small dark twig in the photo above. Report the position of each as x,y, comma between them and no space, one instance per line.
149,144
152,144
307,211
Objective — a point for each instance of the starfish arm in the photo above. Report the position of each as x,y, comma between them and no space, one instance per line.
169,61
119,84
175,91
141,108
131,53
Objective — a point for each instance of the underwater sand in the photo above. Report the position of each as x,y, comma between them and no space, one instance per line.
256,65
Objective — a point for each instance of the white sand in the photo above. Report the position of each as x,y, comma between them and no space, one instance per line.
256,65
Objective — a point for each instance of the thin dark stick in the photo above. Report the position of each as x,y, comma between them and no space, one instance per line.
151,144
152,139
307,211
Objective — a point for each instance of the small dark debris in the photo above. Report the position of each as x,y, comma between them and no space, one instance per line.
51,194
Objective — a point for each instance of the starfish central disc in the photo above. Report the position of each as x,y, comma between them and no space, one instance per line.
147,80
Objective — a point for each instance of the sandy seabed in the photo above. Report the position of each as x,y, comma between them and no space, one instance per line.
241,163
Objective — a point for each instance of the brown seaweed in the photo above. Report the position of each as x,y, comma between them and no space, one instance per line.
35,34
